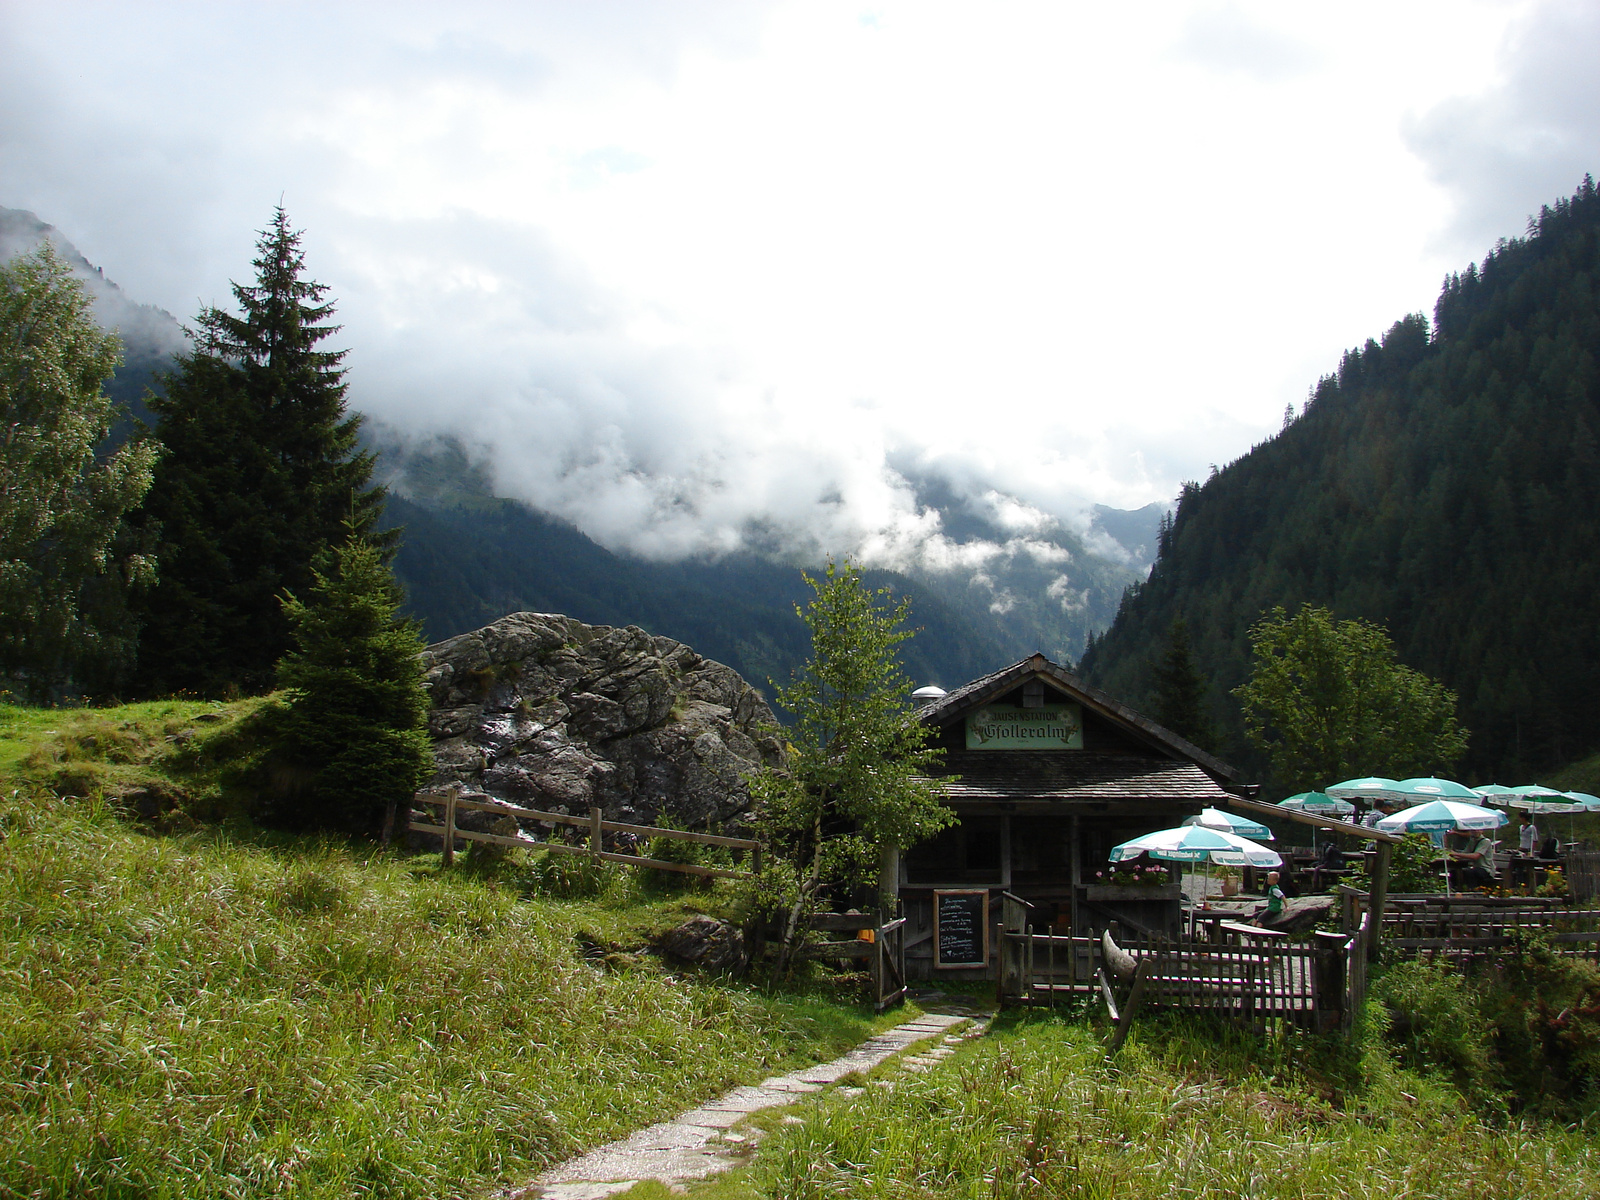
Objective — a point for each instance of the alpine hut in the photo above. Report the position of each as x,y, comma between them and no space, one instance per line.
1046,775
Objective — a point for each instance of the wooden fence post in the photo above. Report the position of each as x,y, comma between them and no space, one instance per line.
1130,1009
1013,948
450,824
595,845
1327,979
1379,894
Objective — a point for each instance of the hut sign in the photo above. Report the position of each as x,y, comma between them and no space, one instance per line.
1003,727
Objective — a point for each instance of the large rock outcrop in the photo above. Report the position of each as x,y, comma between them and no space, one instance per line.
546,712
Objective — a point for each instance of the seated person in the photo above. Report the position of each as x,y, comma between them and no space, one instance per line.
1275,901
1473,865
1550,849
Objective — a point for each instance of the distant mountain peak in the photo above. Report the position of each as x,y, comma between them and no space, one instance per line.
151,336
149,328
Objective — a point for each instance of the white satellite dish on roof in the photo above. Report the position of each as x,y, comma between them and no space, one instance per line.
928,694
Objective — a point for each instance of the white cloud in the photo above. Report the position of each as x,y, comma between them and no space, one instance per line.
702,276
1528,138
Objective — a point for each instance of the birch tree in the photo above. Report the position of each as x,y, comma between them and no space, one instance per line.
66,560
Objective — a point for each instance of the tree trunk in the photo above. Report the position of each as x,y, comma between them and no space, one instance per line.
794,925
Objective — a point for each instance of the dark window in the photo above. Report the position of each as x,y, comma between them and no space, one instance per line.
983,843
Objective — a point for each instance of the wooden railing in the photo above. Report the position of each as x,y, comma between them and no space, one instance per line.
1465,930
1257,974
1251,973
450,802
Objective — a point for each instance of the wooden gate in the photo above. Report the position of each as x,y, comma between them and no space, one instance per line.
880,945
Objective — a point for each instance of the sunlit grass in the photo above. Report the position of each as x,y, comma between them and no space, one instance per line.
202,1016
1035,1111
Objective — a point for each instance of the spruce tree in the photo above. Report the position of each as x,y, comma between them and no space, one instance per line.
261,470
351,743
1181,690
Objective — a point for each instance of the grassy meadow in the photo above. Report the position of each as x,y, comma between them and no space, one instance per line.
193,1009
1034,1112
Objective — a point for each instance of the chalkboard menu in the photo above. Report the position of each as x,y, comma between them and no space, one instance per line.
961,928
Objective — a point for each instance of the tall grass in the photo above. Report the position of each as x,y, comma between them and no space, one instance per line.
1036,1112
193,1016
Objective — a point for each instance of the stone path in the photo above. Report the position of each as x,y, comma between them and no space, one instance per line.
703,1142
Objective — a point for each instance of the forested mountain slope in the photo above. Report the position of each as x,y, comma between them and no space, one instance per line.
1444,483
468,565
468,557
150,335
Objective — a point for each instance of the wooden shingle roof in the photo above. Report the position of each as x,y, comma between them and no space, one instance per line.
1163,743
1081,776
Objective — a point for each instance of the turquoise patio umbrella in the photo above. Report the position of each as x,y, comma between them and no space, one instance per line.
1371,788
1537,798
1441,816
1429,788
1319,803
1196,844
1217,818
1496,793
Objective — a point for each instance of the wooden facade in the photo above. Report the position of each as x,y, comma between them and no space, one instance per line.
1046,775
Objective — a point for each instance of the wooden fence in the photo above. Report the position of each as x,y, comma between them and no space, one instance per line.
596,825
1463,929
1256,974
1582,869
1250,973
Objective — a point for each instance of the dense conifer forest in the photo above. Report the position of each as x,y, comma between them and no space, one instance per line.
1445,483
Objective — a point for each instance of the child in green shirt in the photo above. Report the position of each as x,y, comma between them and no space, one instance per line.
1275,896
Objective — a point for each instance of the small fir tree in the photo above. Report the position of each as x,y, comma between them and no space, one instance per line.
351,743
66,559
1181,690
262,469
857,785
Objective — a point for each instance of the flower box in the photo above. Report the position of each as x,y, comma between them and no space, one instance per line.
1112,891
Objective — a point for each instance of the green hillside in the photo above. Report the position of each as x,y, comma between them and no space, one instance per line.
1444,482
198,1010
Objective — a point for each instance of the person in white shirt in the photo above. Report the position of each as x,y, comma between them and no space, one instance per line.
1528,834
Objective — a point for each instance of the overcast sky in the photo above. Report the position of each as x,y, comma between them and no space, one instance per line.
696,273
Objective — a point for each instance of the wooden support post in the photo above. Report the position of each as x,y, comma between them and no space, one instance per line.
1013,947
1380,893
1327,979
1131,1009
595,844
450,825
